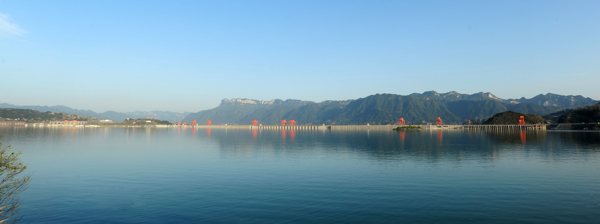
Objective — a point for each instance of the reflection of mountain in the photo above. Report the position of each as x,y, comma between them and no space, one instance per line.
452,107
517,137
410,145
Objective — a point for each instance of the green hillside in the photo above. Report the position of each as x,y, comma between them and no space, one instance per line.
590,114
511,117
34,116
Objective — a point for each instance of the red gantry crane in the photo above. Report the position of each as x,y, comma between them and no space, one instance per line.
438,121
292,123
254,123
522,120
283,122
401,122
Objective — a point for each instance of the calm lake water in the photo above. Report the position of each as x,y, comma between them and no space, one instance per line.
179,175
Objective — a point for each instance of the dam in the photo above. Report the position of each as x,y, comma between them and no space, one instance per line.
368,127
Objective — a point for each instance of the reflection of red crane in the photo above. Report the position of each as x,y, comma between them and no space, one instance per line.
401,122
283,122
254,123
292,123
523,137
438,121
522,120
402,135
208,123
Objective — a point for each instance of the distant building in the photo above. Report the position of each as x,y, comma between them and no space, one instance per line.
73,122
12,123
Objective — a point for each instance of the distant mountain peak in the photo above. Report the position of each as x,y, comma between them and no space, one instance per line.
431,93
240,101
245,101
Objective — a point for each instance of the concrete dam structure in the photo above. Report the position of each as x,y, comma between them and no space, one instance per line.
370,127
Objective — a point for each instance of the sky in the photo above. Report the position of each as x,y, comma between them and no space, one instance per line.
189,55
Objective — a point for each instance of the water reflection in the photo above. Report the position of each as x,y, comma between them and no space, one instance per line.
244,174
408,145
432,146
402,135
516,137
292,135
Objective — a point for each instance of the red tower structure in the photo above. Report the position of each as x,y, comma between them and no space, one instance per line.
254,123
522,120
179,123
283,122
292,123
208,123
438,121
401,122
193,122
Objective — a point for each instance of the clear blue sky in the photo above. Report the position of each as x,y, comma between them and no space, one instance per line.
188,55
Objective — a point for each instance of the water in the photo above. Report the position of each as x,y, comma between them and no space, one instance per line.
126,175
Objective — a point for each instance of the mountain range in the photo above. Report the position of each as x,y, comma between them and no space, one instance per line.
111,115
416,108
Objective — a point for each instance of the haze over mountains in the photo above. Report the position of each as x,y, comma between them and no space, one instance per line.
111,115
416,108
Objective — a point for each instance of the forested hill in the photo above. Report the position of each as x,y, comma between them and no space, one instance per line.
453,108
34,116
511,117
590,114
